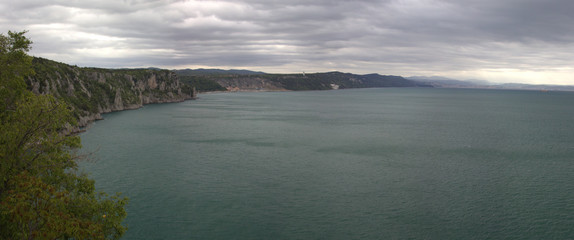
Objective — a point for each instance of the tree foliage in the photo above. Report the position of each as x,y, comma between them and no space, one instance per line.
42,193
14,65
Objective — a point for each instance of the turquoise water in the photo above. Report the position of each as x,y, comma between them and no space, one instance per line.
396,163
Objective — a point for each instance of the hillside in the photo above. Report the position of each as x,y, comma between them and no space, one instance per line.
293,82
93,91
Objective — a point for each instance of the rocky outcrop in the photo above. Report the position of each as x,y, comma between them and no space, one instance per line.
93,91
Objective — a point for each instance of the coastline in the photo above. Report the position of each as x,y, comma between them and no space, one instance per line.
85,122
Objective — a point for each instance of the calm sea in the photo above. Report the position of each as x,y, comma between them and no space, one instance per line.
394,163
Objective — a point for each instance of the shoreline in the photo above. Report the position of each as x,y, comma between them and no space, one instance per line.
85,122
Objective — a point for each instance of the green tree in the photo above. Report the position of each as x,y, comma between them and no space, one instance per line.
42,193
15,64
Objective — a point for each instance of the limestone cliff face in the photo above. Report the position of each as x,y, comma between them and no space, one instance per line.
93,91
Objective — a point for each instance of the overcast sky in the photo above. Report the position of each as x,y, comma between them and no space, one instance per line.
529,41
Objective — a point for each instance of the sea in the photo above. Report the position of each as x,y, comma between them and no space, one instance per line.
386,163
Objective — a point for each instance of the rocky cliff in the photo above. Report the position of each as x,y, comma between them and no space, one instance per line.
93,91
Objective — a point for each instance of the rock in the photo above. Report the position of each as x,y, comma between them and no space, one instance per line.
93,91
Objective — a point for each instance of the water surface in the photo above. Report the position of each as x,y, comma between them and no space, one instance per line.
392,163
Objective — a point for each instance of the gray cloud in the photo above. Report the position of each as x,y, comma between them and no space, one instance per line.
513,40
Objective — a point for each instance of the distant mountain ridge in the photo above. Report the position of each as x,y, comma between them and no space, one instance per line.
443,82
258,81
214,71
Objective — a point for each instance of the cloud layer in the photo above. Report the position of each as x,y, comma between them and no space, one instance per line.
512,40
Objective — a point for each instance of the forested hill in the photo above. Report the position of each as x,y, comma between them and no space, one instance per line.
226,81
92,91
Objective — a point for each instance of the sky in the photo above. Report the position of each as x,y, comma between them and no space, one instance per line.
526,41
